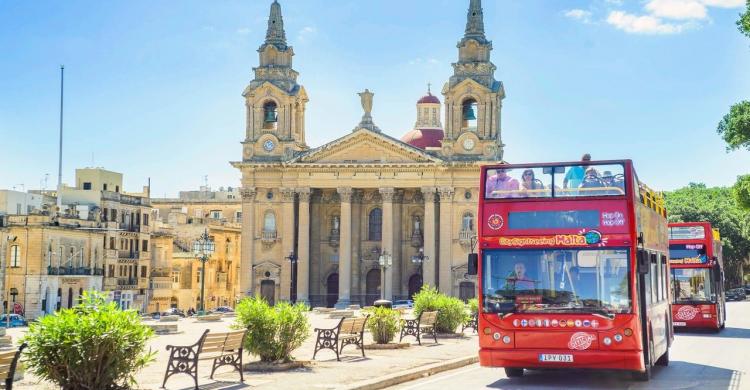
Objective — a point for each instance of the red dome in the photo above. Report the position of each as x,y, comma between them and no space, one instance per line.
424,138
429,99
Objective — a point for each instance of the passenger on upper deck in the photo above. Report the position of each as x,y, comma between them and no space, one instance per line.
530,182
574,176
501,182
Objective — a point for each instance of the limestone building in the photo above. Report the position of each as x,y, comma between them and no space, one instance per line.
316,221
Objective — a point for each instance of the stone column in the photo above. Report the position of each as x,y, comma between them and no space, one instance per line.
387,238
446,239
345,248
430,238
287,241
247,240
303,247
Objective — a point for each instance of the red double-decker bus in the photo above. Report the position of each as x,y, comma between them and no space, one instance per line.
572,269
697,276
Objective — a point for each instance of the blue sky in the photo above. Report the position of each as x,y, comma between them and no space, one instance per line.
153,89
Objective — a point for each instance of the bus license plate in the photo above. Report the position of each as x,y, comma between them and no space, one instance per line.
677,323
556,358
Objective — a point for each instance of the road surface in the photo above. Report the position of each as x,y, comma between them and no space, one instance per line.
698,360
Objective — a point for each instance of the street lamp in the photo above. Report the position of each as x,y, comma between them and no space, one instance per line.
386,261
292,258
203,248
419,259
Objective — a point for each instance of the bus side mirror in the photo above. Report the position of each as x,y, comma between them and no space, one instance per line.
642,262
473,263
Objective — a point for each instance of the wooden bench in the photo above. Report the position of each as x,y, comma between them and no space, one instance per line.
470,323
348,331
225,349
416,327
8,364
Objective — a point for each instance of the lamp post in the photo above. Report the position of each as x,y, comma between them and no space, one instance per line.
292,258
419,259
203,248
386,261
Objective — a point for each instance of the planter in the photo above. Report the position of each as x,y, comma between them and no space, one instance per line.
276,367
388,346
163,328
341,314
208,317
169,318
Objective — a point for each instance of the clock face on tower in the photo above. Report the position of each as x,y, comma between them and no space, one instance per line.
468,144
268,145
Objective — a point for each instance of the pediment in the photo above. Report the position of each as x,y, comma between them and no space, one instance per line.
366,147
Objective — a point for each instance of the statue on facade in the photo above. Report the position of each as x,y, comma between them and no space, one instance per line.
366,122
416,234
336,222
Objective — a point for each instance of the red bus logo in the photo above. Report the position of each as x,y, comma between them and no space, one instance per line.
495,222
580,341
686,313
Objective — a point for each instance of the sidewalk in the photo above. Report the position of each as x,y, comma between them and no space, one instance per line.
325,373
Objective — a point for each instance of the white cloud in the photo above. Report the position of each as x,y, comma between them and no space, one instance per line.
579,14
614,2
420,61
305,33
677,9
243,31
644,24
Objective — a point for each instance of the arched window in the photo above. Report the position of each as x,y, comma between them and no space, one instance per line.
469,113
375,225
270,115
269,222
15,256
467,222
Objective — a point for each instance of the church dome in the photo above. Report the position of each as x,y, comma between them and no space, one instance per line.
424,138
429,98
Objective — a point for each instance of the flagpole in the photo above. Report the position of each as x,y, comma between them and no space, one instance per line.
59,161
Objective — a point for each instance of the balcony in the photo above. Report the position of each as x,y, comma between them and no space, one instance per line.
81,271
268,236
127,283
466,236
135,255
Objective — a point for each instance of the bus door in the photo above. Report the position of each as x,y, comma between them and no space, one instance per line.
644,294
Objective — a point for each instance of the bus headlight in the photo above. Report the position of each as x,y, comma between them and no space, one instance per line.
496,336
506,339
706,315
607,341
618,337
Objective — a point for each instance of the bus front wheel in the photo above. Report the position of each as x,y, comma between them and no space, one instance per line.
513,372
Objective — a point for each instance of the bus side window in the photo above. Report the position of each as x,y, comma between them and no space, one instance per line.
664,278
646,280
654,279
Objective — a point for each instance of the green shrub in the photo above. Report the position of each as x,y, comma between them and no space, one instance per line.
383,324
473,305
93,345
451,311
272,332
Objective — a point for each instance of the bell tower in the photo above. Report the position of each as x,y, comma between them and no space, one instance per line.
275,103
473,98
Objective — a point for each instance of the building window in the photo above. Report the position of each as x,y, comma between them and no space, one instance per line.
13,294
469,113
175,277
112,243
269,222
117,188
270,115
198,276
216,214
111,270
145,219
144,245
144,271
87,186
104,186
467,223
238,216
15,256
375,225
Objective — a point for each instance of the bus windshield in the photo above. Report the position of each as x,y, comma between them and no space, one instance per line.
692,284
555,181
556,281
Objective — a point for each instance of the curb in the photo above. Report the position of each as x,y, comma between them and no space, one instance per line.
412,374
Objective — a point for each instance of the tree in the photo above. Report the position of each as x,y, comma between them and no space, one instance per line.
735,127
741,191
744,23
696,203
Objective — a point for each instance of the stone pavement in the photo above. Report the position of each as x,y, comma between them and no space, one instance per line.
325,372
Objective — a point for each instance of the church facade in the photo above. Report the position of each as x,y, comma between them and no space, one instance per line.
366,216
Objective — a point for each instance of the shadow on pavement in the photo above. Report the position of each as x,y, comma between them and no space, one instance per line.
220,385
730,333
679,375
